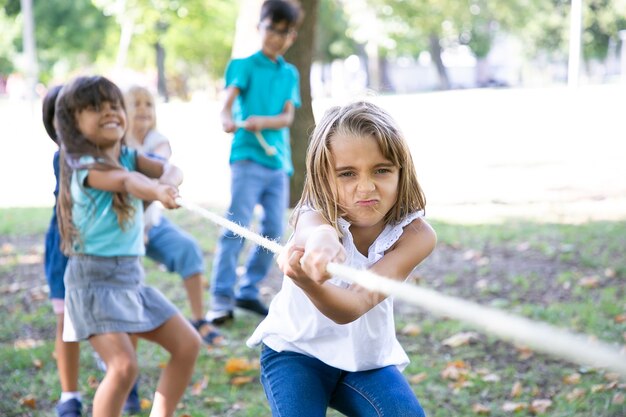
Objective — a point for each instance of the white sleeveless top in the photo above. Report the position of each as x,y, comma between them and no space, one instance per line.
295,324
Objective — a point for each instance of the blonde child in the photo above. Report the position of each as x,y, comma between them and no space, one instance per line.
165,242
103,184
327,342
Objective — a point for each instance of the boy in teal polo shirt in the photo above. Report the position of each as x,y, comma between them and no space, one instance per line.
262,92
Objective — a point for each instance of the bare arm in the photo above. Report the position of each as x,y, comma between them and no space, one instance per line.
344,305
134,183
284,119
165,172
226,115
164,150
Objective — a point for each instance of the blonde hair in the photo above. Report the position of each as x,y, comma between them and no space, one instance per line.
357,119
129,98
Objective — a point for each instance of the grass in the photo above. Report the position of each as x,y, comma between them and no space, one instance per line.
533,269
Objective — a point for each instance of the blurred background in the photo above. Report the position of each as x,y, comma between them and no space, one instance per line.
512,107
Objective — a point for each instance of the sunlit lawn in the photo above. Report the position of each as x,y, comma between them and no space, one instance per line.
501,170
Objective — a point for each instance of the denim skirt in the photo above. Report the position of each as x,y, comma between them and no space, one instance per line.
107,295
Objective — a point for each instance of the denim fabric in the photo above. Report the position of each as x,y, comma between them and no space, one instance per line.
297,385
176,249
55,262
251,184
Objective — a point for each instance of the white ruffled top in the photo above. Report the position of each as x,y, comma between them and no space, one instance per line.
295,324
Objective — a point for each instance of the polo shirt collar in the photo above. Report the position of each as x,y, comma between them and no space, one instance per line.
260,56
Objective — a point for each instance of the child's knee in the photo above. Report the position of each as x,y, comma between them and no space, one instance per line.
124,367
190,345
194,345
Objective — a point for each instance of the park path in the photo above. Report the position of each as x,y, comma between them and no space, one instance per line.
555,154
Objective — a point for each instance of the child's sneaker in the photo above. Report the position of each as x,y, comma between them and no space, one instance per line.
69,408
133,405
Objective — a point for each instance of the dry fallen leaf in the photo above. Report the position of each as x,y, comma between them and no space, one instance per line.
513,407
199,386
411,329
481,409
572,379
471,254
416,379
460,339
620,318
37,363
524,352
145,404
540,406
516,390
237,365
29,401
597,388
241,380
27,343
609,273
491,378
575,394
618,398
611,376
454,370
93,382
589,282
7,249
214,400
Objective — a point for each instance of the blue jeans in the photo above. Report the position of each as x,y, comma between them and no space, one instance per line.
297,385
251,184
176,249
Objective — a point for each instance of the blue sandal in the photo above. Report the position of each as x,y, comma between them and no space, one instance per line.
210,336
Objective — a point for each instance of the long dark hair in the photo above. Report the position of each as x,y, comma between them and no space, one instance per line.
47,111
79,94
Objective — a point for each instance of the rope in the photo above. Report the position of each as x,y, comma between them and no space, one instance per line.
539,336
269,149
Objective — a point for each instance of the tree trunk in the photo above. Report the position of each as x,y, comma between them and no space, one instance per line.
161,79
435,52
30,50
301,55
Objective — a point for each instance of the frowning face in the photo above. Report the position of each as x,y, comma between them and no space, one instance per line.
366,181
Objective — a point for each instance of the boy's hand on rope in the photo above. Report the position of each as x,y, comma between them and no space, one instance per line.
254,123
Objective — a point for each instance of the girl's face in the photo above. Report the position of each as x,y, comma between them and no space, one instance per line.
366,181
104,126
142,111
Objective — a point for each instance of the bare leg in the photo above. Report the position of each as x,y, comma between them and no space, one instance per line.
68,357
193,286
179,338
118,352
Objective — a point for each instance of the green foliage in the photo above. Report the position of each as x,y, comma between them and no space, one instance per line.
332,40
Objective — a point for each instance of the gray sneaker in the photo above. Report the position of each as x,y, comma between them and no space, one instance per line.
219,317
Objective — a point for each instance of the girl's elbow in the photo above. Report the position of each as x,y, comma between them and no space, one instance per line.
344,320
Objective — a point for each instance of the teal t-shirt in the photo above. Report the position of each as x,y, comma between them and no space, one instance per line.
264,87
95,219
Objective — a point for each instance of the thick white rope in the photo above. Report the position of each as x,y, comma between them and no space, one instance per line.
269,149
539,336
